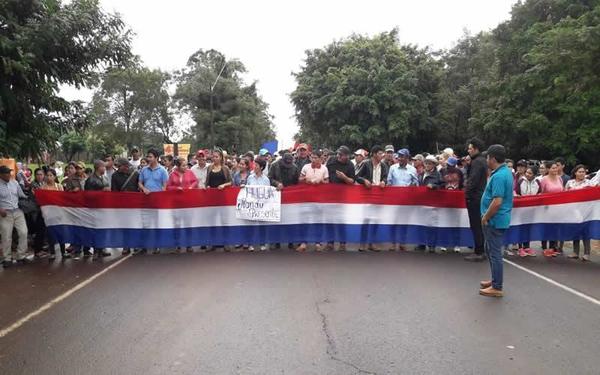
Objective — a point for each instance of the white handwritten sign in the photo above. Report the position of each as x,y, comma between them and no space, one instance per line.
259,203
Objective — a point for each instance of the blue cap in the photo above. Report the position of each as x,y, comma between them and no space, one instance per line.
452,161
263,151
404,152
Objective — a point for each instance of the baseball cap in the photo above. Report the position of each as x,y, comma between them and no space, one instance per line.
404,152
302,145
360,151
452,161
5,170
200,153
431,158
80,164
263,151
418,157
389,148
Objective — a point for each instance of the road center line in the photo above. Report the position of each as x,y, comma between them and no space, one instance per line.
553,282
58,299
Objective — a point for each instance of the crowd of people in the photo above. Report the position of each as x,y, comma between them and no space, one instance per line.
216,169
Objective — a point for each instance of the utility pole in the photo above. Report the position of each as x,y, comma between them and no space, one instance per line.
212,109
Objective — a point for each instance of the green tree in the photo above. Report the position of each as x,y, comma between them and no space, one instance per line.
361,91
134,105
226,112
45,43
72,143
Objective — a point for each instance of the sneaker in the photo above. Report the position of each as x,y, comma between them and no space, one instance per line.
301,248
457,249
444,249
24,261
522,253
549,253
573,256
585,258
531,252
250,248
509,253
7,263
263,248
125,252
87,253
318,247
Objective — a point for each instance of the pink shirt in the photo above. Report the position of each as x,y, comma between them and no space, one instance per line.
315,175
178,181
549,186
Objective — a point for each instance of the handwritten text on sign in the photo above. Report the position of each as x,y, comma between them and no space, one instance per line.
259,203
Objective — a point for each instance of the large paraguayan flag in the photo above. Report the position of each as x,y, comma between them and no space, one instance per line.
308,214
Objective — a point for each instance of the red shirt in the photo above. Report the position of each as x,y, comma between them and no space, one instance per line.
178,181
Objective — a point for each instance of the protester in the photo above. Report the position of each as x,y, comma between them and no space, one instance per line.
520,172
51,183
181,177
98,181
527,185
418,161
551,183
474,187
143,163
389,155
452,175
11,218
402,174
73,180
374,172
240,177
168,163
135,160
153,177
126,177
341,171
314,173
431,177
257,178
359,157
200,169
284,172
219,176
496,208
560,163
303,156
110,168
579,181
39,178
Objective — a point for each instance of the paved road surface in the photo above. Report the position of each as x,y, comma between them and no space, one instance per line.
289,313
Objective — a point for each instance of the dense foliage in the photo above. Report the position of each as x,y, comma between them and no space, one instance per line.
532,84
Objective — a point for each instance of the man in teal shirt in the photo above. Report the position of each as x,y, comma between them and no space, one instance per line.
496,207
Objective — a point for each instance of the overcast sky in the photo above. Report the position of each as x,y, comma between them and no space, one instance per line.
270,37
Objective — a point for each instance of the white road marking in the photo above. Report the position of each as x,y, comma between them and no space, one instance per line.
58,299
553,282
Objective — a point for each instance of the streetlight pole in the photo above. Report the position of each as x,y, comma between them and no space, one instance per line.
212,115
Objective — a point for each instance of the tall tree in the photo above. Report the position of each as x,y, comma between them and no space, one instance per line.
45,43
361,91
133,104
226,112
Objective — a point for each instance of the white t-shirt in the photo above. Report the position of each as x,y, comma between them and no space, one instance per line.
201,174
315,175
135,164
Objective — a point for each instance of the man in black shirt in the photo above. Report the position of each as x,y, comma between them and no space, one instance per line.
341,170
284,172
474,187
124,179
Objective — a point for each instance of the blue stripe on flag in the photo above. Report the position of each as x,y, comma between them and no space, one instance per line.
354,233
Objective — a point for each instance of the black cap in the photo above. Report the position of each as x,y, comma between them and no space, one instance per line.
4,169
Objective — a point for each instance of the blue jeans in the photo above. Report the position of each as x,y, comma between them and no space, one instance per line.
493,248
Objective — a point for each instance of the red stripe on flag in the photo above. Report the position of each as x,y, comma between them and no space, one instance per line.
337,194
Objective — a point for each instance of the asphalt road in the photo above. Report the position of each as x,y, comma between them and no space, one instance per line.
289,313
